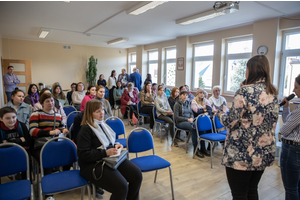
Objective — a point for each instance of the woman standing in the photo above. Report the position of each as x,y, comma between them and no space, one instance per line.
164,111
118,91
129,100
217,102
90,94
174,96
147,102
78,95
33,95
96,140
58,93
290,134
250,142
111,86
148,78
23,109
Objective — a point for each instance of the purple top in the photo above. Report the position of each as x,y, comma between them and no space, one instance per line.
8,84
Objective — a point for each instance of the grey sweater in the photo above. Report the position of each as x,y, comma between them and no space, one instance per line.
162,105
107,108
182,111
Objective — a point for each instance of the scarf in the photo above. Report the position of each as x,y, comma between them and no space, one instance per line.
34,98
104,138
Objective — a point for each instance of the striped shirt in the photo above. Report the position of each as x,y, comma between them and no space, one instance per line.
291,127
41,123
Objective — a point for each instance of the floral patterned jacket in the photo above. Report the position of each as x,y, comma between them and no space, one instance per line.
251,122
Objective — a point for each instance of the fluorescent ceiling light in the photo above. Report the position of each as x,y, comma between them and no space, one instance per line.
43,33
143,7
116,41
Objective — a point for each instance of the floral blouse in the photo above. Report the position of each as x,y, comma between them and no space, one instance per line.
251,122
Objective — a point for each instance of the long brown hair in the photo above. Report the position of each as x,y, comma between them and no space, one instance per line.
90,107
173,92
259,68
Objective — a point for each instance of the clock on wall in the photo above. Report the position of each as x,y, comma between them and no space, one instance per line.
262,50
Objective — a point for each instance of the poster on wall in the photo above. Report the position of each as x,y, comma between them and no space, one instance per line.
180,63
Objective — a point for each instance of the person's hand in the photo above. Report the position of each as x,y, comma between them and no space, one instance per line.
119,146
12,81
152,103
128,103
190,120
287,104
65,131
4,141
169,112
54,132
111,151
23,139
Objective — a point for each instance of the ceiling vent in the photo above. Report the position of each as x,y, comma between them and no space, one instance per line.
67,47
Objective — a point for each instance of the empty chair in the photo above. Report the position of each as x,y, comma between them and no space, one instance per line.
140,140
218,126
14,159
70,118
203,123
117,125
56,154
69,109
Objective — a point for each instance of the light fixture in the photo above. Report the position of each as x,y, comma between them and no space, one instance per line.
143,7
43,33
219,9
116,41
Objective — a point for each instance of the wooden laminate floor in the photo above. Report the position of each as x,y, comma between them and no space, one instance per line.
193,179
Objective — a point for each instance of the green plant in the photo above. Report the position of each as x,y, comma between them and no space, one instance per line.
91,71
201,83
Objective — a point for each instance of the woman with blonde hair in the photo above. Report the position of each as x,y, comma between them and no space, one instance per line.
200,105
251,121
96,140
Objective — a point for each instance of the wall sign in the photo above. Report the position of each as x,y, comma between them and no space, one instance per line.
180,63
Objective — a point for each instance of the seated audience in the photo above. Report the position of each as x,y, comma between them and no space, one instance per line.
148,78
200,105
129,100
118,91
164,111
184,119
167,91
101,80
42,125
57,105
217,102
147,102
96,140
69,94
100,92
173,98
191,96
58,93
32,95
23,109
78,95
154,88
90,94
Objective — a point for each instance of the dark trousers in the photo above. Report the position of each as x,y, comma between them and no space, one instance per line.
169,120
188,126
8,96
243,184
118,102
111,97
132,109
116,181
148,110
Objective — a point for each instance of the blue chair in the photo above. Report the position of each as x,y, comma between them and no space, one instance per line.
187,133
218,126
117,108
70,118
158,121
117,125
69,109
14,159
141,115
140,140
56,154
203,123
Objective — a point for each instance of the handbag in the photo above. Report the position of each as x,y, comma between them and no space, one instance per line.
134,119
40,141
111,162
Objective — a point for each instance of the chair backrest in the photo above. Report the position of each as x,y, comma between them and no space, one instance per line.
139,140
217,123
70,118
58,153
69,109
203,123
14,159
117,125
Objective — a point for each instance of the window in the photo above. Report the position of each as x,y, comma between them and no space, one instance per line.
238,52
132,62
290,62
203,65
153,65
170,67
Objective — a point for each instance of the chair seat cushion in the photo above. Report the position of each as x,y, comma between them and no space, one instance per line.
150,163
160,121
224,132
122,141
213,136
15,190
62,181
145,115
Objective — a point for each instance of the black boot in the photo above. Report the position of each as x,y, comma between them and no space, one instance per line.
199,154
203,149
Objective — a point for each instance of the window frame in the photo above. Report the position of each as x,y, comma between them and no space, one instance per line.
130,62
234,56
149,62
284,54
167,61
202,58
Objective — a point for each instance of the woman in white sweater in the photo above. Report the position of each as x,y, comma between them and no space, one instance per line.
78,95
111,84
216,101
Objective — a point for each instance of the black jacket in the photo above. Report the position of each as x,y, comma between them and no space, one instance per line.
182,111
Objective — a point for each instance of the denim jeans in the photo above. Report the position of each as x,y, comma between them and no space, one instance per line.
290,170
188,126
8,95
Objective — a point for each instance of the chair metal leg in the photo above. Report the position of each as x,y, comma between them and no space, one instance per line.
155,176
160,132
89,191
211,155
171,181
196,148
32,193
94,192
82,192
174,137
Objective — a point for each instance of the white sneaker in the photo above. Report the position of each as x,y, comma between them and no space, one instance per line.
50,198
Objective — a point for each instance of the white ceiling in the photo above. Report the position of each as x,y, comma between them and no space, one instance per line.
69,21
